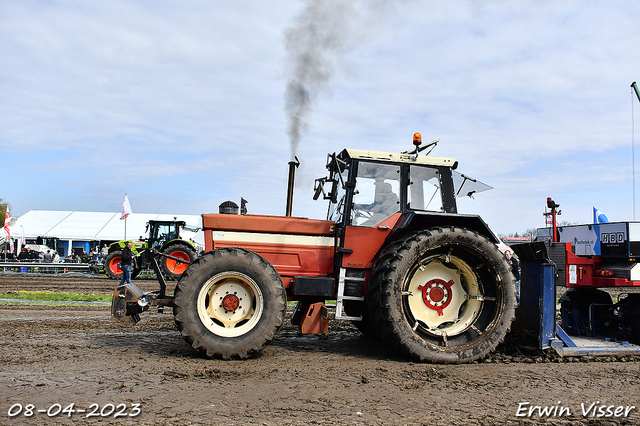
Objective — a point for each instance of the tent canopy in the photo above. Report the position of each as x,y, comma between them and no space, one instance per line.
89,226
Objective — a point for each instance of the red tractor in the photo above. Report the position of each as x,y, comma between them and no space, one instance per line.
394,254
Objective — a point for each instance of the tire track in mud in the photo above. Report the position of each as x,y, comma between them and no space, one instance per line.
65,354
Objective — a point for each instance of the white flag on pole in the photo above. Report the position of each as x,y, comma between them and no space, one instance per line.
126,208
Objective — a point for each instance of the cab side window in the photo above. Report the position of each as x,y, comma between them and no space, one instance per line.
424,189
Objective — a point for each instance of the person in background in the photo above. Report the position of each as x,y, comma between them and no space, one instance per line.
24,255
125,263
104,252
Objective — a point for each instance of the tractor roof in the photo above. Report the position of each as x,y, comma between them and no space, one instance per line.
177,222
399,158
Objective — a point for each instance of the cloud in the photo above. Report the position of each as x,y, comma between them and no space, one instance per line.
183,105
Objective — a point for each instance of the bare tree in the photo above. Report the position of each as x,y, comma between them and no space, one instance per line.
530,233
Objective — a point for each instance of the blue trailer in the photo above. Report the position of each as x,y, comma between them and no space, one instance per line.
593,329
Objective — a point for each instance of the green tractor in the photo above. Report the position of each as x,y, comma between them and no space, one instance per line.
164,237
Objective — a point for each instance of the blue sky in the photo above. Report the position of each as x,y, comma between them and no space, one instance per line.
182,104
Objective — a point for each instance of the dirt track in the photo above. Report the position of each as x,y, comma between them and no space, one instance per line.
79,355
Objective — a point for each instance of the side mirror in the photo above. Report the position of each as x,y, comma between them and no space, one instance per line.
319,188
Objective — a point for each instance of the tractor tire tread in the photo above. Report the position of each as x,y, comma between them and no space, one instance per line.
385,306
205,341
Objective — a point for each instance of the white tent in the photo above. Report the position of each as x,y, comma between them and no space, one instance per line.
75,226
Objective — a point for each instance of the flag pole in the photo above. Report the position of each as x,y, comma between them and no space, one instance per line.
634,86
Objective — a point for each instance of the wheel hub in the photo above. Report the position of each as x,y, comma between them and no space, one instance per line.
230,302
442,298
436,294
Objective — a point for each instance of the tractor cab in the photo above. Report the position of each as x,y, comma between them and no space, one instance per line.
365,188
161,232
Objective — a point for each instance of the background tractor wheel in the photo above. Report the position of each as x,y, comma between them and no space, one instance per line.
173,269
111,265
575,304
229,303
445,295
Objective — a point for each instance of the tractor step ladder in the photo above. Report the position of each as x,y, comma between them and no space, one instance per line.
342,279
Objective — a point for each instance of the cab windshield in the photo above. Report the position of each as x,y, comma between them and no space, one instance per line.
377,193
162,234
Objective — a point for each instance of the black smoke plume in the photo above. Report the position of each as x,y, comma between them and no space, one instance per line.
314,42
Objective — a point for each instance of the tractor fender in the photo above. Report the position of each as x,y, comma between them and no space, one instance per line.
417,221
174,242
138,246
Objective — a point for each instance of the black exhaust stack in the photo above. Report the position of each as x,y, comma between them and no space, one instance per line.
292,174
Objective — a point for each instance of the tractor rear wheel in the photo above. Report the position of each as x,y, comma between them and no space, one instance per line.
445,295
111,263
229,303
172,268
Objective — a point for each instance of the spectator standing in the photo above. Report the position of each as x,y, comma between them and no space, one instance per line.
11,257
103,253
24,255
125,263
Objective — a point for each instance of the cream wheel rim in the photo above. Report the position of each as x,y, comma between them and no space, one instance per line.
230,304
443,296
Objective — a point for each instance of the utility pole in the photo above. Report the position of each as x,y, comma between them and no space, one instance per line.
634,86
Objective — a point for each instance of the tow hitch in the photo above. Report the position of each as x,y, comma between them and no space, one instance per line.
129,301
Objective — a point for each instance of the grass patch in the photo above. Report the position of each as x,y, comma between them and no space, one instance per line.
326,302
57,296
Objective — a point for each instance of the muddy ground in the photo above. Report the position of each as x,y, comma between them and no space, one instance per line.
79,355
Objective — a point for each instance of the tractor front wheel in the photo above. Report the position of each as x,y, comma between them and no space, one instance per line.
111,263
173,268
444,295
229,303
